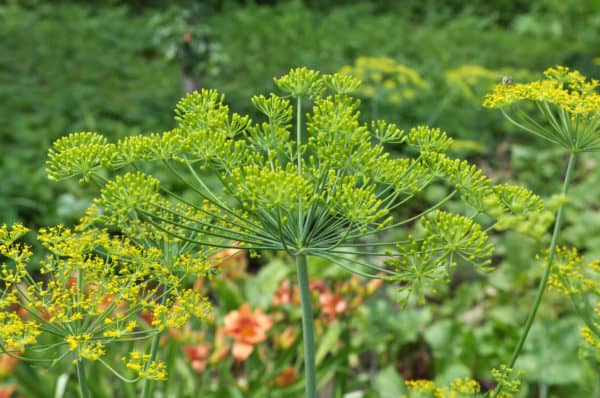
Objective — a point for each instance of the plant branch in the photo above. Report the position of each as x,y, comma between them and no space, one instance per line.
546,275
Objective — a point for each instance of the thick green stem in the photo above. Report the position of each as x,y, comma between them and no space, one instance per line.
82,379
546,275
299,154
308,333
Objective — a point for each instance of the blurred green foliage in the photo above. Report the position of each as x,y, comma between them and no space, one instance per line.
67,68
118,68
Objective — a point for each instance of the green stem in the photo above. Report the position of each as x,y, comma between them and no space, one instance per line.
308,333
299,154
82,379
546,275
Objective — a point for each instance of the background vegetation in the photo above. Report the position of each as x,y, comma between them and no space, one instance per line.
119,67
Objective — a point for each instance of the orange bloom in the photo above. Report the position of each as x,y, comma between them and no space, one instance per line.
7,365
373,285
332,305
198,356
147,316
317,285
285,295
7,391
246,328
232,262
287,377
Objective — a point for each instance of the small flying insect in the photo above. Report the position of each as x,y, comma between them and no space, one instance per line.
507,79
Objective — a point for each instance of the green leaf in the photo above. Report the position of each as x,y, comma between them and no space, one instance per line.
388,384
230,297
260,290
329,341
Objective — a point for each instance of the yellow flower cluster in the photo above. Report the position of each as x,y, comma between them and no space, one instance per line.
179,309
423,386
15,333
18,253
468,79
569,90
592,339
385,79
144,368
459,388
507,379
579,280
571,275
96,285
85,346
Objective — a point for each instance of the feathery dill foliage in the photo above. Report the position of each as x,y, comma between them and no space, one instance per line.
568,103
308,184
94,287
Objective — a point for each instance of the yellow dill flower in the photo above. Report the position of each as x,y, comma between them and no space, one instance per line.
590,337
421,386
16,333
385,79
569,90
459,388
95,287
465,385
470,80
508,380
568,103
144,368
571,275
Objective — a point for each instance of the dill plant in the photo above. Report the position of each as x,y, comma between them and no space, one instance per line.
567,109
310,179
93,289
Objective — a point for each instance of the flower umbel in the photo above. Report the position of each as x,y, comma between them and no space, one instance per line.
568,103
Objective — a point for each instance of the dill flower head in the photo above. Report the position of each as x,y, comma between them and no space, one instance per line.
571,275
569,105
385,79
470,80
308,178
460,388
93,288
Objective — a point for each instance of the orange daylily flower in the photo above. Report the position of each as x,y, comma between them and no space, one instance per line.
198,356
332,305
286,295
232,262
7,365
287,377
246,328
7,391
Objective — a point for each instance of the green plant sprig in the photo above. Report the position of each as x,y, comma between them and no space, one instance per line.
568,105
